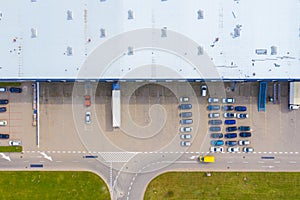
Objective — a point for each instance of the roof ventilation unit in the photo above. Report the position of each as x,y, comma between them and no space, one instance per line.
69,51
69,15
33,33
130,51
237,31
102,33
33,1
261,51
164,32
200,14
130,14
273,50
200,50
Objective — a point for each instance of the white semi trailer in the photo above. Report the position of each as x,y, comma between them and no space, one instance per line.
116,105
294,95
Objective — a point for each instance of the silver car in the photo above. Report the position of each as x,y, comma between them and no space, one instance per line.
185,143
88,117
185,129
185,136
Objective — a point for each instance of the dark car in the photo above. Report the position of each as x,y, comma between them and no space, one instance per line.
231,143
215,121
2,109
213,107
227,108
241,108
230,135
15,90
215,128
245,134
231,128
217,142
244,128
185,114
186,121
230,121
216,135
3,101
4,136
185,106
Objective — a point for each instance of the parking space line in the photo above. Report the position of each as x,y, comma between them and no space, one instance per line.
293,162
277,161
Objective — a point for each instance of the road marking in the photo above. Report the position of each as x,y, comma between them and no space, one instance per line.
293,162
268,166
280,152
229,162
259,152
78,151
285,152
261,162
276,161
63,151
26,160
58,151
296,152
275,152
291,152
58,161
75,161
245,162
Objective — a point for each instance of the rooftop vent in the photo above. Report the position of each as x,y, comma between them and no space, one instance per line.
69,15
237,31
261,51
200,14
273,50
130,14
0,15
102,0
69,51
102,33
130,51
33,33
33,0
164,32
200,50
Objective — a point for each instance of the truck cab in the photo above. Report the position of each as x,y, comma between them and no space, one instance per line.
207,159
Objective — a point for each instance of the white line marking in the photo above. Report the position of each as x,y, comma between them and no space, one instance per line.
292,162
276,161
261,162
58,161
245,162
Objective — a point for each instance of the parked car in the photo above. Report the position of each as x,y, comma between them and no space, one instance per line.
231,128
203,90
3,101
242,116
233,149
185,136
88,117
216,149
230,121
184,99
185,143
228,100
240,108
227,108
186,121
244,142
248,149
15,90
185,129
4,136
245,134
3,122
185,114
215,121
215,128
231,143
87,99
213,107
3,89
216,135
2,109
244,128
14,143
214,115
213,100
230,135
229,115
217,142
185,106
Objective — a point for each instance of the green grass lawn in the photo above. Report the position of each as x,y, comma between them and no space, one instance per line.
10,148
12,84
225,185
52,185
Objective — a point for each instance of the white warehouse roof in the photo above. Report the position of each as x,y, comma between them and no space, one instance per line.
65,39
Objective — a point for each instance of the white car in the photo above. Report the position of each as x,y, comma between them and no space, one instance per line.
213,100
244,142
3,122
216,149
203,90
233,149
185,129
88,117
229,115
214,115
185,143
248,149
184,99
185,136
228,100
14,143
242,116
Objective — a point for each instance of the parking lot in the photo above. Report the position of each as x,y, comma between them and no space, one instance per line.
150,117
18,116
